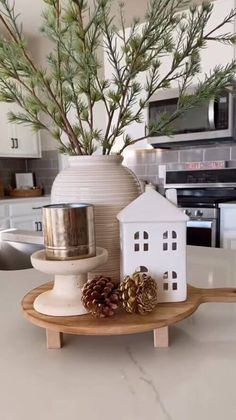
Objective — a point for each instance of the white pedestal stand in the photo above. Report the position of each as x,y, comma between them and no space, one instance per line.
69,277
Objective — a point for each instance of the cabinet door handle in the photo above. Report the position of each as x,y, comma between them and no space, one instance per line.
40,226
16,143
12,143
37,226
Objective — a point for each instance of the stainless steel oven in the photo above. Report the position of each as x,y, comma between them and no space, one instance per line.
202,227
199,193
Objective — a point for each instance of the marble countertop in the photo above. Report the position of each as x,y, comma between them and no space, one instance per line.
122,377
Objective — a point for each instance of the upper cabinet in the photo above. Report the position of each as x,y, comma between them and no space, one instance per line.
17,140
6,133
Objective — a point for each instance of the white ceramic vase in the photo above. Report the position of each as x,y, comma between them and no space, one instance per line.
104,182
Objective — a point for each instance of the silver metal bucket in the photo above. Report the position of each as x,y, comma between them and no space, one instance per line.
69,231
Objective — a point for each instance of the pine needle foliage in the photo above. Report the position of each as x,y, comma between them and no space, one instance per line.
68,89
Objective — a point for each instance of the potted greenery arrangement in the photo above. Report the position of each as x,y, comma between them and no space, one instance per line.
68,90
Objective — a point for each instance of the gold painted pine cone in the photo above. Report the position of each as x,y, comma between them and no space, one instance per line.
139,293
101,296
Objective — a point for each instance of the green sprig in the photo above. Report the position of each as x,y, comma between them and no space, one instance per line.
68,90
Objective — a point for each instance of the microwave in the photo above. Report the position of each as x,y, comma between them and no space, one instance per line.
212,122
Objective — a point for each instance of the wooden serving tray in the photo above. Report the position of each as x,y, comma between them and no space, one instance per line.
159,320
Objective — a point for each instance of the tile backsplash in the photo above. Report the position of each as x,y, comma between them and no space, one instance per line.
8,166
145,163
45,169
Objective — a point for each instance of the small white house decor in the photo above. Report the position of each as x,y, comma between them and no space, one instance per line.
153,240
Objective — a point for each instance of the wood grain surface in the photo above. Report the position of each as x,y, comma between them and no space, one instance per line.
166,314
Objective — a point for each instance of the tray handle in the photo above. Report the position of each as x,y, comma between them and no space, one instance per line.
221,295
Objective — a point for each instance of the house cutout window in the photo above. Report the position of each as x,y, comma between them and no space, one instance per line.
165,246
145,247
145,235
170,275
142,269
141,241
165,238
165,235
171,243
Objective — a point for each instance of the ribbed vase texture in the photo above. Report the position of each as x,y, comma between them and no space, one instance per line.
104,182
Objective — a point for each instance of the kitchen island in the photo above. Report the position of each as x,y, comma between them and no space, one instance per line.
122,377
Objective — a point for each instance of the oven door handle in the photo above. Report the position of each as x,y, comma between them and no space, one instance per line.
207,224
211,114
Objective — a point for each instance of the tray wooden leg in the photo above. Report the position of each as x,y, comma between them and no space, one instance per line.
54,339
161,337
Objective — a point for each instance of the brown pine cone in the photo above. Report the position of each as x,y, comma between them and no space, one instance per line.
101,296
139,293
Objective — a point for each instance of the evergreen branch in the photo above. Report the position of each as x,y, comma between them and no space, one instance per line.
72,81
18,40
59,59
229,18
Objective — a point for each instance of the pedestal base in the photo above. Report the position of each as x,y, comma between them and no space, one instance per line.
50,303
69,278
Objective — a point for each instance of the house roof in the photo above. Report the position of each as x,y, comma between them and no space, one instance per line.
151,207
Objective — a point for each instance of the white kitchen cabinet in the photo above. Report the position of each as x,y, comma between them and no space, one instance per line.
17,140
4,217
228,225
4,223
27,215
6,132
229,240
23,223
